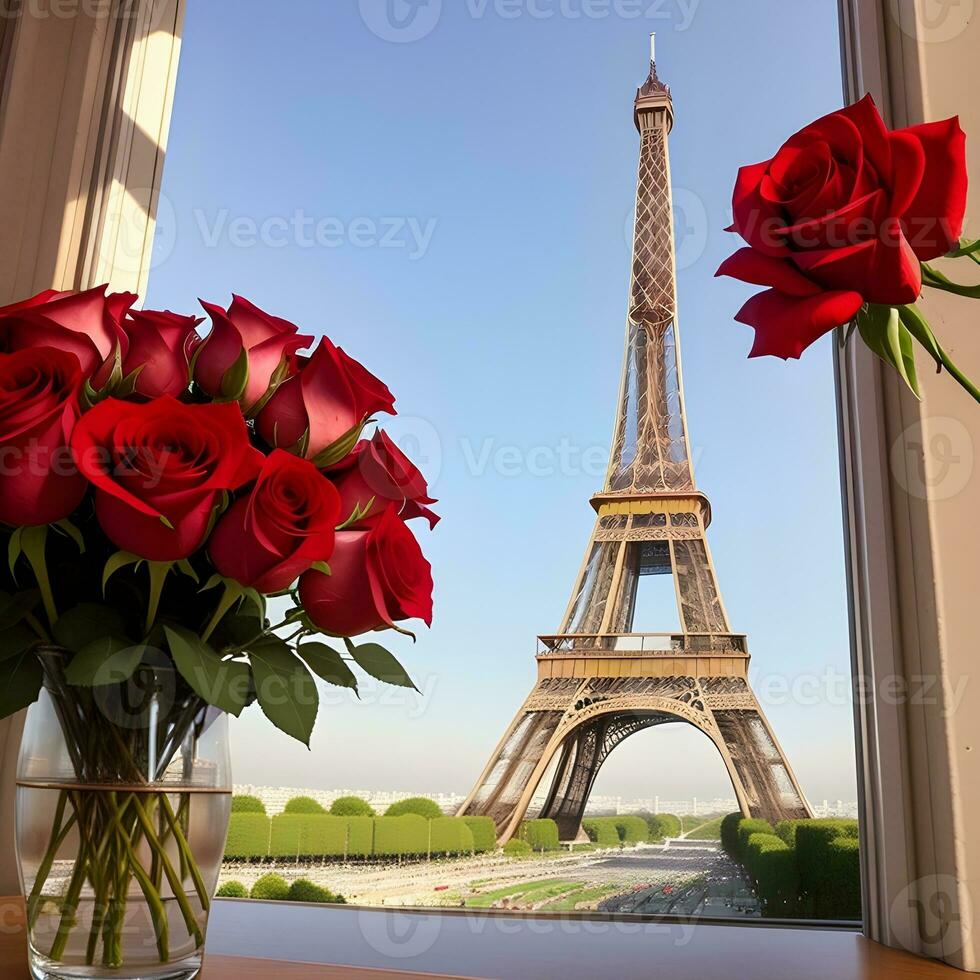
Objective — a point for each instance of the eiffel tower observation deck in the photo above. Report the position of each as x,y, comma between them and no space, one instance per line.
599,680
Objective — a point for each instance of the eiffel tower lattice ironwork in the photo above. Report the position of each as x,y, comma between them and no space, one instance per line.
599,681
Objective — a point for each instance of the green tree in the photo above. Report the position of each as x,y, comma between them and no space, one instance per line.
303,890
303,804
351,806
232,889
247,804
418,805
271,888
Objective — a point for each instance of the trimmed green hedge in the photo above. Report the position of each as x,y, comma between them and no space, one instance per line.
401,836
449,836
360,837
822,861
745,830
602,831
248,836
286,840
484,832
270,888
247,804
632,830
772,864
804,867
419,805
517,848
302,890
542,835
232,889
324,836
351,806
303,804
729,834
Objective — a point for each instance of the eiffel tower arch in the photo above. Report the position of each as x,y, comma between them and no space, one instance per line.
599,681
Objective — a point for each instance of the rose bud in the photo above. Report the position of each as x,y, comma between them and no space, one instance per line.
39,406
319,412
246,353
160,345
377,473
85,324
160,469
842,216
267,539
378,577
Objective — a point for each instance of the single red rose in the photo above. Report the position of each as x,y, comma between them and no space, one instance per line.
378,577
377,473
85,324
268,342
160,469
327,402
39,406
159,348
267,539
843,215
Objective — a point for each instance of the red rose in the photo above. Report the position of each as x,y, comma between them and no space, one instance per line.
267,342
159,348
841,216
378,577
84,324
39,406
286,523
324,406
160,468
377,473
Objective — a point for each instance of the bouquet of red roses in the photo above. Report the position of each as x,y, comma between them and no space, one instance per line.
157,486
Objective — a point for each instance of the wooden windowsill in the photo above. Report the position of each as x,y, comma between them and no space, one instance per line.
710,952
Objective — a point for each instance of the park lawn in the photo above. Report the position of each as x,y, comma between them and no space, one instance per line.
581,896
528,892
707,831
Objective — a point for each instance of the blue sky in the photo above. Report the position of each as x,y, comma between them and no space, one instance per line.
448,194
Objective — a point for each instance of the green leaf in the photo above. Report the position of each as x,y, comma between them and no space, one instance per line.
66,527
340,449
322,567
918,326
107,660
15,640
223,683
33,542
21,678
882,329
286,692
327,663
85,623
235,379
965,248
116,563
13,608
375,660
933,277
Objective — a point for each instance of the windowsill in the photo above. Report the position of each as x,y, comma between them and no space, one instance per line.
506,946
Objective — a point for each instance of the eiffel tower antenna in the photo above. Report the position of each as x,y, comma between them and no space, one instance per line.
599,679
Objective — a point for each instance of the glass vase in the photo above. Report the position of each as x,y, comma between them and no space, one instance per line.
123,802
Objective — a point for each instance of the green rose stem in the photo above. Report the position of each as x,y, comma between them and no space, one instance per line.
919,327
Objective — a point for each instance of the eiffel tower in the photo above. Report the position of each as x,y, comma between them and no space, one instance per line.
599,681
